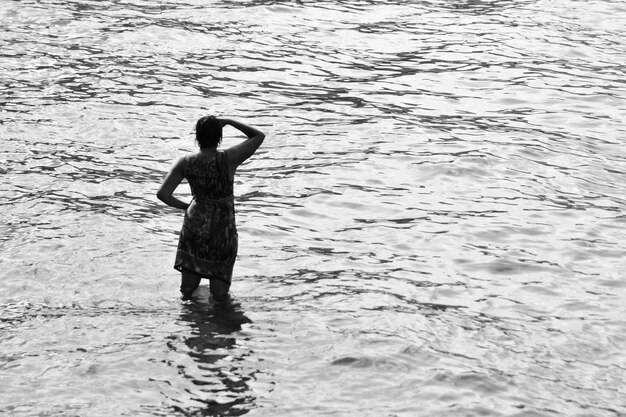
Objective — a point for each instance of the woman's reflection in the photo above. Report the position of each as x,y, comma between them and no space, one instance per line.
213,346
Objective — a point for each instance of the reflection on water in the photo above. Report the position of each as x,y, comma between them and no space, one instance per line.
221,381
436,216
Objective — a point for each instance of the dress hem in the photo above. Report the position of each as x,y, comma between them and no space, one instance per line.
204,268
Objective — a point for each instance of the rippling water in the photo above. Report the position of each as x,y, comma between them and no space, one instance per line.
434,227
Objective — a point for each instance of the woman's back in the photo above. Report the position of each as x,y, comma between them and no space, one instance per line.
208,177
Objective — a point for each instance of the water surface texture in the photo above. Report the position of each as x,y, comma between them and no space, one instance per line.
435,225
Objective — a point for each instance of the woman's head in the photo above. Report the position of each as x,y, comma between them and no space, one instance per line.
208,132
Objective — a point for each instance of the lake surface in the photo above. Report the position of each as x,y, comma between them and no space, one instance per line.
435,225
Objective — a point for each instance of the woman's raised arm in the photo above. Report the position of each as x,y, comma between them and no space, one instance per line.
244,150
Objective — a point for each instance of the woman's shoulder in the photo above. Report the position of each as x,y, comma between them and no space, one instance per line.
189,158
184,161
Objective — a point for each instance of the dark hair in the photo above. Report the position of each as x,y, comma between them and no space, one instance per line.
208,132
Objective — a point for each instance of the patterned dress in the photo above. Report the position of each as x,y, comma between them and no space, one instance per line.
208,239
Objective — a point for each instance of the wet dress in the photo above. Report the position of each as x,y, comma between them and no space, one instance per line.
208,240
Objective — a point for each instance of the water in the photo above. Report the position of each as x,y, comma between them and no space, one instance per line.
434,227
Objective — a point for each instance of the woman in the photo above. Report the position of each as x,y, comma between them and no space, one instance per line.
208,241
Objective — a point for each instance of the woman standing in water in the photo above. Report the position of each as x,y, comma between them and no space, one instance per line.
208,241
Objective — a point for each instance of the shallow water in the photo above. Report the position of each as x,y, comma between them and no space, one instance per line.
434,227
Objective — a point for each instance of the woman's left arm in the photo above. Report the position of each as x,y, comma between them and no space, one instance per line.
173,178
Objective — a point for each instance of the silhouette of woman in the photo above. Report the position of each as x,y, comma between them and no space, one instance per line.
207,246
